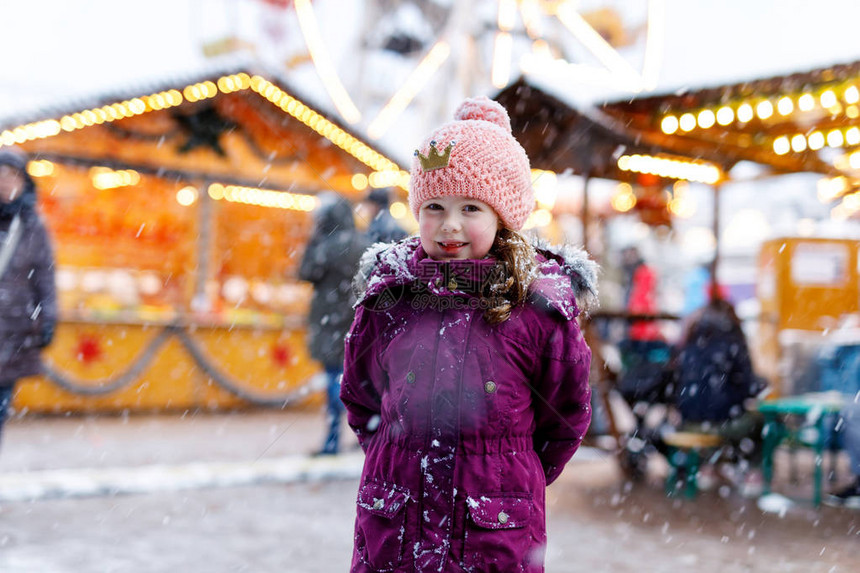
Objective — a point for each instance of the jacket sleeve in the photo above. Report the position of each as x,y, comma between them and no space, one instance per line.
363,378
562,398
43,281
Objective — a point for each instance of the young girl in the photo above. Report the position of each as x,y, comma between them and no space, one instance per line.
466,374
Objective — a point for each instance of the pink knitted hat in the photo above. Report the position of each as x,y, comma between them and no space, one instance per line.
475,156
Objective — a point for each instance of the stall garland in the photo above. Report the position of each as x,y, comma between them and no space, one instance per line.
114,383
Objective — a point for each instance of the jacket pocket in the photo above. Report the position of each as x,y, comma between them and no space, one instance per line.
379,525
498,525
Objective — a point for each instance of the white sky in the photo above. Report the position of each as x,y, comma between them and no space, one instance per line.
56,49
711,41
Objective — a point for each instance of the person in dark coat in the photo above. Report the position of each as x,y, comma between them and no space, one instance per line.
329,263
28,304
466,372
383,227
715,378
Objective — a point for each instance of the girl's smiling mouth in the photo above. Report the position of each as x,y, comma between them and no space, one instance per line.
451,246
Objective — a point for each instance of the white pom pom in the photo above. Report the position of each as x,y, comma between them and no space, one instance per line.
485,109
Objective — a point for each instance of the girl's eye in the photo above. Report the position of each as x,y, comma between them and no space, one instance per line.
433,207
471,208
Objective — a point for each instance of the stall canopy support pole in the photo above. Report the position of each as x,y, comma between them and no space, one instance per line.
585,211
200,301
598,375
715,289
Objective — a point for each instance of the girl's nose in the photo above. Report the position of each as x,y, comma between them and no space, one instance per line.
451,223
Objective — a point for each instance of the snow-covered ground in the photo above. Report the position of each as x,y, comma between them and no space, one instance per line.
596,522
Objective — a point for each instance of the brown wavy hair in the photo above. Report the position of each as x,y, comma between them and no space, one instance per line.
509,283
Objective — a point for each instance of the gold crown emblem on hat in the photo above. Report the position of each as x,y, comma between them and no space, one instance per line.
433,159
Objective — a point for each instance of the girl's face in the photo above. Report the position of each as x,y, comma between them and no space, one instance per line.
457,228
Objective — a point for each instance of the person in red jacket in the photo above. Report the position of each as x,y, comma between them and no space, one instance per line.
641,296
466,372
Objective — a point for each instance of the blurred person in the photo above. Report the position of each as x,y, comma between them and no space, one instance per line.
698,289
714,380
644,350
640,294
329,264
28,304
697,286
383,228
849,495
466,373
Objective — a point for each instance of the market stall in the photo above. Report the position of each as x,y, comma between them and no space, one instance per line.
805,122
179,215
808,122
808,288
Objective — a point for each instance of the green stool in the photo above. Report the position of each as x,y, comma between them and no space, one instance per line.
685,451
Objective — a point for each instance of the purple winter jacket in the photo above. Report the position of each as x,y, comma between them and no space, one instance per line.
463,423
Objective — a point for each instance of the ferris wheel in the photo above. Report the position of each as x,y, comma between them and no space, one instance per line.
385,63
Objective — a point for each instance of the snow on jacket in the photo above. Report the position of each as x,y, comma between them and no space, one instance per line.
463,423
28,305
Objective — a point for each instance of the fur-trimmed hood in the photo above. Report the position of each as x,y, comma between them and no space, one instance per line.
565,277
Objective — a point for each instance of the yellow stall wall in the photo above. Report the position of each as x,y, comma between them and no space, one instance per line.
805,286
98,367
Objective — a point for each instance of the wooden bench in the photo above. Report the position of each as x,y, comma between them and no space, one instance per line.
686,450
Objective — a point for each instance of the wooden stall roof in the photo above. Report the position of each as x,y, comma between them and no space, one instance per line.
783,122
558,137
802,122
238,126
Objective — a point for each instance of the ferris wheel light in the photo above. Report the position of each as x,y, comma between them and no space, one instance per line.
502,59
413,84
322,61
507,15
596,44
